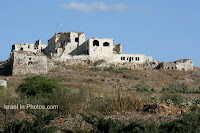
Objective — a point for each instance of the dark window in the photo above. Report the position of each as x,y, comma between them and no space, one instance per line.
13,47
29,58
21,49
138,58
129,59
135,58
123,58
132,58
76,39
105,44
95,43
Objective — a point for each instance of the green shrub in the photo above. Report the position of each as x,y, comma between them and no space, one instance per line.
101,125
189,123
124,68
173,89
38,86
143,89
174,97
68,102
94,68
112,69
37,125
158,100
102,105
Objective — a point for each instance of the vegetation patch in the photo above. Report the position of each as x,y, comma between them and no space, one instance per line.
38,86
173,89
189,123
37,125
144,88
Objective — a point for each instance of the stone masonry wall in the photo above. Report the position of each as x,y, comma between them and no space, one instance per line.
184,65
29,63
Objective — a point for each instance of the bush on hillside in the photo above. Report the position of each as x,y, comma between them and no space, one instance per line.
175,97
38,86
37,125
189,123
68,102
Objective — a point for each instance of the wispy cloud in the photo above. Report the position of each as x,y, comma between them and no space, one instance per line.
95,6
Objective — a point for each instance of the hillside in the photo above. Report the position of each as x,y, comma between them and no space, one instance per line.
108,79
133,90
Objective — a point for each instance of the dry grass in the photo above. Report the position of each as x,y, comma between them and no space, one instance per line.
105,82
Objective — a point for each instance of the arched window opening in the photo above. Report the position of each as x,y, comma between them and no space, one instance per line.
13,47
95,43
105,44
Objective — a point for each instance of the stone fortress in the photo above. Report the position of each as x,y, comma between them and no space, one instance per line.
71,48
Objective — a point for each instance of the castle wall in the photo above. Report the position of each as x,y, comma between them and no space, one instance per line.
51,47
69,42
137,66
24,47
83,48
72,60
29,63
168,65
30,47
136,58
100,49
184,65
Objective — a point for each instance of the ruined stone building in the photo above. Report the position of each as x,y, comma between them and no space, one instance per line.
67,44
26,58
184,65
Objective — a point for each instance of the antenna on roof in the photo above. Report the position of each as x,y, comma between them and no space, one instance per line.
59,25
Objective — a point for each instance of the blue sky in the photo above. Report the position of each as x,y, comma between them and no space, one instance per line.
167,30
